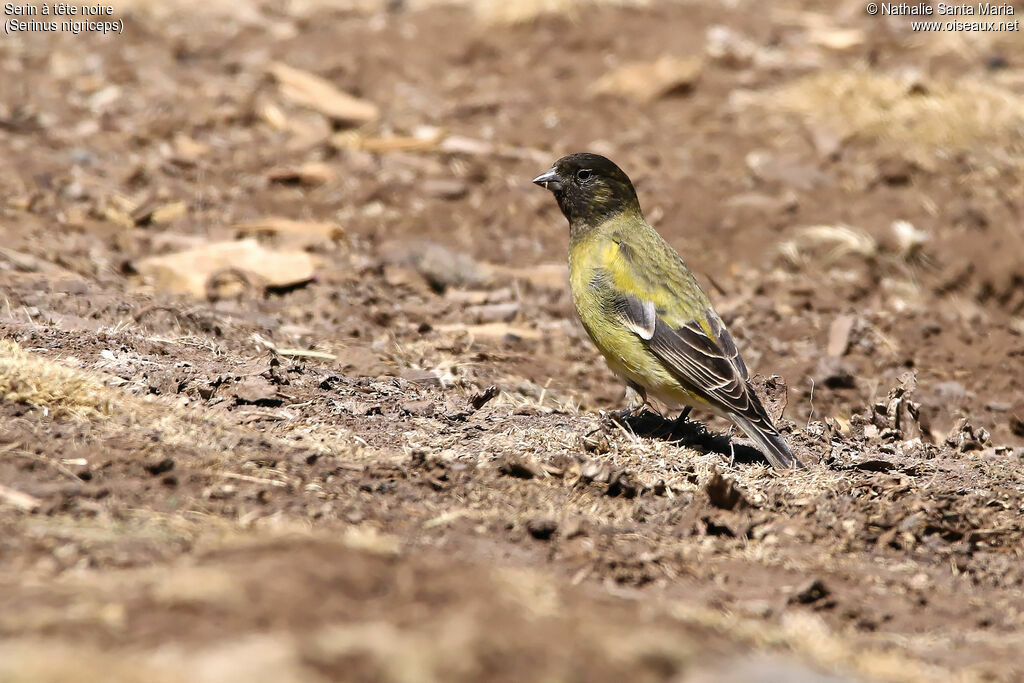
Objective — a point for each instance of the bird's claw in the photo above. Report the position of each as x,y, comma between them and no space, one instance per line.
682,425
621,416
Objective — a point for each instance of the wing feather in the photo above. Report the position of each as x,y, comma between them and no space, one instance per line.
674,319
707,364
638,315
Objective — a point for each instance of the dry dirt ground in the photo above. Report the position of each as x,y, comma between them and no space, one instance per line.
289,464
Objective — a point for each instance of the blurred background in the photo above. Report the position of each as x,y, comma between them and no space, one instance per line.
315,220
847,189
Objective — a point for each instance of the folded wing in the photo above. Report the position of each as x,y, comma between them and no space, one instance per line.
703,358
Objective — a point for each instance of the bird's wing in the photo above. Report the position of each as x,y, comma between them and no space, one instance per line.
700,354
639,315
659,300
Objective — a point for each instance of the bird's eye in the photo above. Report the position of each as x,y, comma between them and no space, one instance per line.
583,174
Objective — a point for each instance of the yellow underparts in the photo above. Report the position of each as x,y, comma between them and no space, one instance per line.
623,349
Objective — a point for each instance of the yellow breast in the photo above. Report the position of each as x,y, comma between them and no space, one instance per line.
595,276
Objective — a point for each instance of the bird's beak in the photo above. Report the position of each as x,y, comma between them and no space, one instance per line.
549,180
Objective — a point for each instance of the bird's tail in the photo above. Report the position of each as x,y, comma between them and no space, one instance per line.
769,441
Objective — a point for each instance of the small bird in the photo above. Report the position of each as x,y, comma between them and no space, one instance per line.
644,309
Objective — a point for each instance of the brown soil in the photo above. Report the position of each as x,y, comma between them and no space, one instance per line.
313,482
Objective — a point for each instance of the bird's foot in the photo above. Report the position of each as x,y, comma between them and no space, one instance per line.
684,429
684,417
622,416
615,419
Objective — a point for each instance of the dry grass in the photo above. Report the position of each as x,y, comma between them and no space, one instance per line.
921,113
826,244
488,501
53,388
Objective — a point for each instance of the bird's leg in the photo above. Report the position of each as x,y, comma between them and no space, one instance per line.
680,423
732,449
638,397
636,400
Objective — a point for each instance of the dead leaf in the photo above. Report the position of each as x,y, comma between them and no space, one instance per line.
314,92
152,213
166,213
836,38
286,226
189,271
187,149
396,143
19,499
839,335
306,353
646,81
116,215
272,115
492,331
459,144
311,174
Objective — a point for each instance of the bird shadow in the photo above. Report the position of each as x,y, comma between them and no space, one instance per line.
686,432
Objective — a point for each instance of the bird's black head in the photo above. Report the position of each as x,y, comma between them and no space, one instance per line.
589,189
